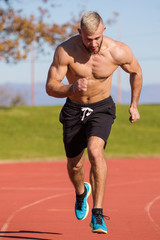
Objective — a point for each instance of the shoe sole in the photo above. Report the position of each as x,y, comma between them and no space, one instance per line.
100,231
88,194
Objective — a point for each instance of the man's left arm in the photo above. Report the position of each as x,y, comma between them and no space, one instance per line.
132,67
136,86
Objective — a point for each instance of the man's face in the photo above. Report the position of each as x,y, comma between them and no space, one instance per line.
93,42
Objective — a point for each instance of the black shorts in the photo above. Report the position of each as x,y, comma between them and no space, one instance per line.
81,121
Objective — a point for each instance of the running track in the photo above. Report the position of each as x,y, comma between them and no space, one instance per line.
37,201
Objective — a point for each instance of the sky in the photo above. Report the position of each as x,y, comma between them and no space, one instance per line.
138,25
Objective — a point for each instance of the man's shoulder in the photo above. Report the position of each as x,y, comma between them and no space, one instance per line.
117,49
70,42
113,44
68,47
65,51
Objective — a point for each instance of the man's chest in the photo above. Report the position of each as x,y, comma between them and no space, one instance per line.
96,66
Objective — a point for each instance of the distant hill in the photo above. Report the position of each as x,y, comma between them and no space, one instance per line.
150,94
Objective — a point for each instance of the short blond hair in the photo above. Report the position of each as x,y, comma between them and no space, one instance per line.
90,21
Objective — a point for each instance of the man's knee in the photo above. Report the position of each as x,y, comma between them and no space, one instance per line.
75,164
94,153
95,149
75,167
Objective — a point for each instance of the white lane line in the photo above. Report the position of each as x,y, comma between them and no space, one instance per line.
69,189
133,182
6,224
148,208
33,188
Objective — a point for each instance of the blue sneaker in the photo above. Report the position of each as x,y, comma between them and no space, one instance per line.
81,205
97,222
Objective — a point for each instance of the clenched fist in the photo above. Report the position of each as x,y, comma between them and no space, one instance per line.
134,114
80,85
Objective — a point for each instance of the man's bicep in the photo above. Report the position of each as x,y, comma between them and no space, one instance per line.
59,66
131,65
57,73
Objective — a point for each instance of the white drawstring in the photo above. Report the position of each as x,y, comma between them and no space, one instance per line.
86,112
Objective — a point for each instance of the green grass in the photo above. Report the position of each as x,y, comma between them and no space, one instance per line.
30,133
34,133
139,139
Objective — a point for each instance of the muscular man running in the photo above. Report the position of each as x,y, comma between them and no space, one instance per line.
88,60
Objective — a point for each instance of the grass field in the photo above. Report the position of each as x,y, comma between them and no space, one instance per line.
35,133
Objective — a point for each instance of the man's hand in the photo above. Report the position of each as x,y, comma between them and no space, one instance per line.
134,114
80,85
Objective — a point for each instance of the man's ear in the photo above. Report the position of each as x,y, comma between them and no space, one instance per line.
104,29
79,30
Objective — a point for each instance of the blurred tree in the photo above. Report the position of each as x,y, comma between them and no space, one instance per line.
18,100
18,33
5,96
9,97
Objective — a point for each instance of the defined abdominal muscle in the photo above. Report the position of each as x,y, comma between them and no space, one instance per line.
93,94
97,90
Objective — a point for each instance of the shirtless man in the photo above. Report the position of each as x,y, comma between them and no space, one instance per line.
88,60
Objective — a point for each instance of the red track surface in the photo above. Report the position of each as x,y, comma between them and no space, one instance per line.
37,201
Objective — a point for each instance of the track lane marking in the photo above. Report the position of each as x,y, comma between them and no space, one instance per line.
148,208
6,224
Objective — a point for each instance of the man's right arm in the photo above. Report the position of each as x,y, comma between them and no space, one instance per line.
56,74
